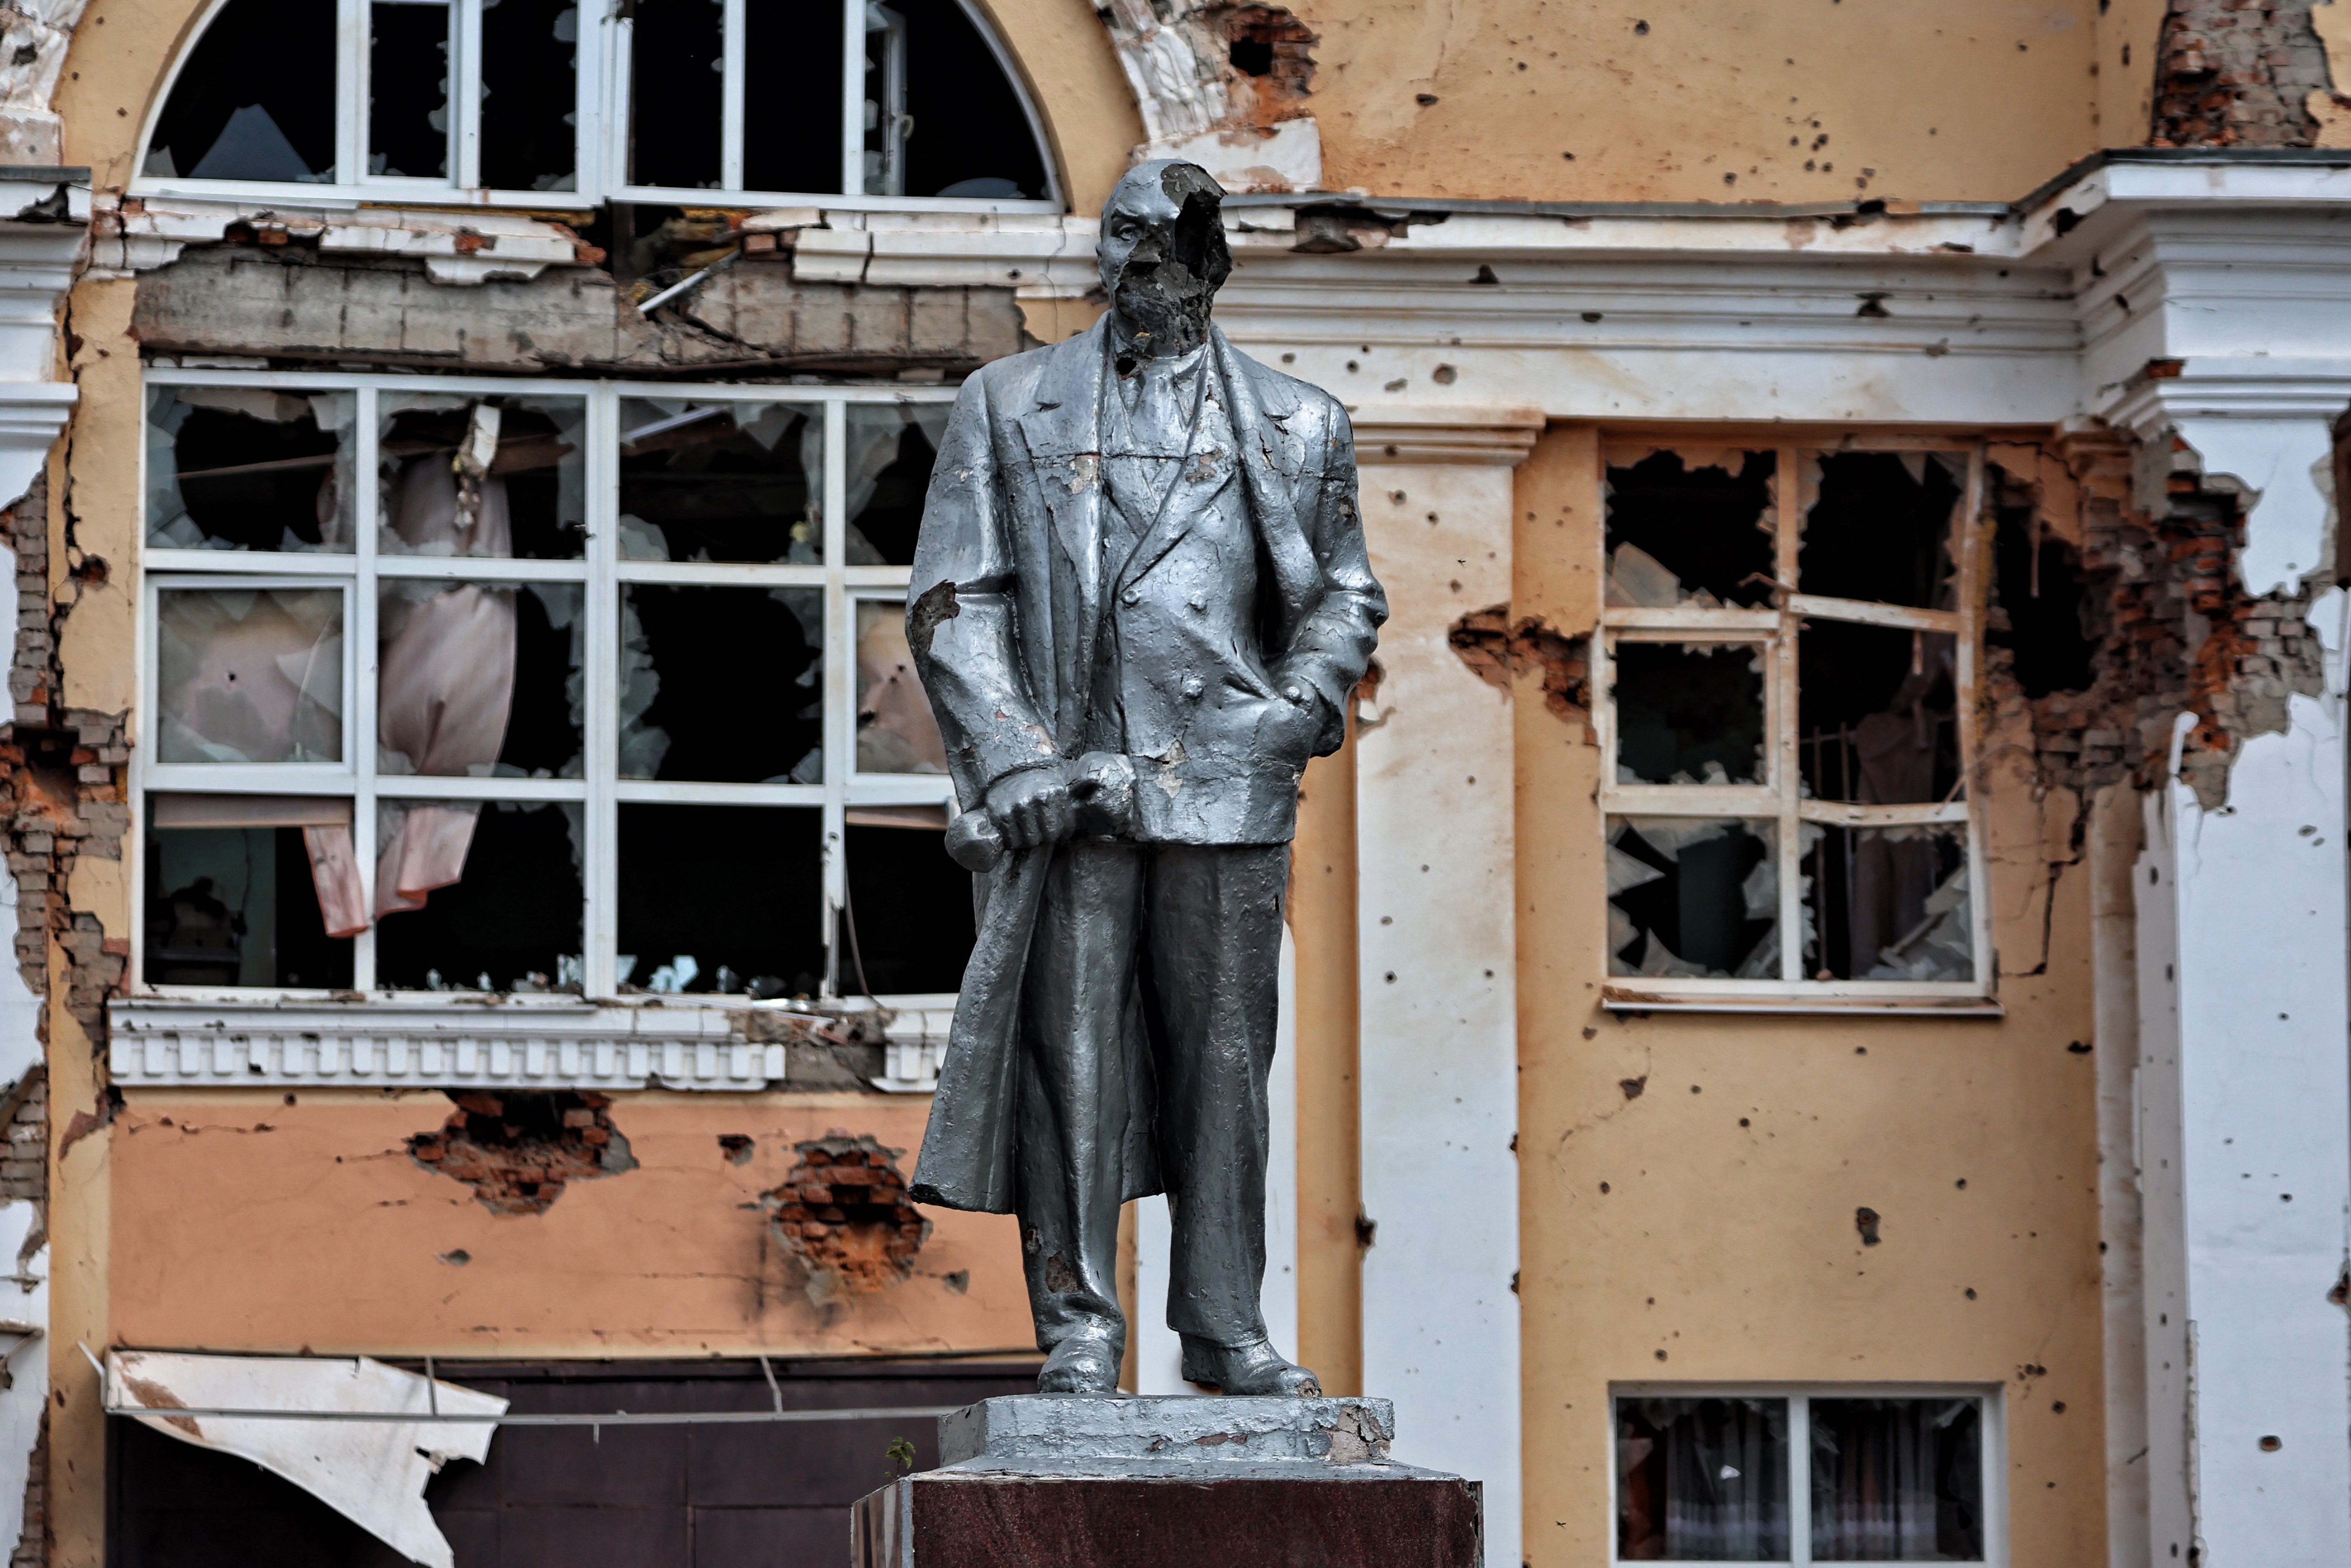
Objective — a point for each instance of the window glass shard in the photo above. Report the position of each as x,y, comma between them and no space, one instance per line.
408,89
511,919
1880,529
479,680
248,468
1692,897
1889,903
676,71
722,685
721,899
891,448
1876,718
529,95
1897,1480
1690,528
792,141
1689,713
254,100
249,675
483,476
1702,1481
895,731
721,481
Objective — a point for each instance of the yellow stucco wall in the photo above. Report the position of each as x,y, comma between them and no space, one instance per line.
1725,1248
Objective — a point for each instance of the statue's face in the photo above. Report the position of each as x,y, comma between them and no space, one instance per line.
1163,251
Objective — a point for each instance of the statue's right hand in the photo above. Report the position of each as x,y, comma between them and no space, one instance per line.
1033,807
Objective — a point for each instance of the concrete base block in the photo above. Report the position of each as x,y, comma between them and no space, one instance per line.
1077,1481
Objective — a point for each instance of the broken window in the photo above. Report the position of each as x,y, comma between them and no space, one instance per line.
1804,1478
480,94
721,481
248,468
230,898
1803,687
939,116
691,758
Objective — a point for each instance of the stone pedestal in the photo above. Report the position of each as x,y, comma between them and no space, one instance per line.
1051,1480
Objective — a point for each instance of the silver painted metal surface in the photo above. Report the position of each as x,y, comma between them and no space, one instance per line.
1140,601
1166,1430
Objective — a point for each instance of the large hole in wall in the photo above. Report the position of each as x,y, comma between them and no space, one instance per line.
842,1210
518,1149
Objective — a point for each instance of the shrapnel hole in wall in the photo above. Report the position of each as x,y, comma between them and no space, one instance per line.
1271,47
518,1149
842,1210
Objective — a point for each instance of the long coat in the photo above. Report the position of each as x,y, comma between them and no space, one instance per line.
1003,616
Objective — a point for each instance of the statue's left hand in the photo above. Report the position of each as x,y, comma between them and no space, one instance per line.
1033,807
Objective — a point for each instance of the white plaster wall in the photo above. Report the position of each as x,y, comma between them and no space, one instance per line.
1159,1355
23,1280
2264,1106
1439,1042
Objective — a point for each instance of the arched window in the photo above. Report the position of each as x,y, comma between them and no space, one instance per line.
860,103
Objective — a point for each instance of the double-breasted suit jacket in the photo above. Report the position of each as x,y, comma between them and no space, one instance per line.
1234,628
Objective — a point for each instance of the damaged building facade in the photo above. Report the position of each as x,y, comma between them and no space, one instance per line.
1817,1023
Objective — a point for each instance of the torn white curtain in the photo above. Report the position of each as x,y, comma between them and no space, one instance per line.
446,681
371,1472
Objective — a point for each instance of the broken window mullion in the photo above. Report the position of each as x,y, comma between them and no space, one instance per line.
1781,712
1865,614
365,658
1842,814
853,97
599,867
1973,543
1688,619
465,93
730,94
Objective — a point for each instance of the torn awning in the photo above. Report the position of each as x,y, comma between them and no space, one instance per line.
370,1471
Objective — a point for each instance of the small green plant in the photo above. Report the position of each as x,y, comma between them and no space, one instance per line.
901,1455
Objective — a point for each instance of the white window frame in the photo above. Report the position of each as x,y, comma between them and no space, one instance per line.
601,128
1778,798
601,573
1990,1397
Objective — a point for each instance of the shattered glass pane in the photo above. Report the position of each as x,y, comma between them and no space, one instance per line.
235,906
676,71
254,101
1690,528
1875,713
408,89
1881,526
722,898
479,680
1897,1480
722,685
895,731
1693,897
968,134
498,476
530,99
1702,1481
512,920
250,675
248,468
792,141
1689,713
892,446
721,481
1889,903
907,929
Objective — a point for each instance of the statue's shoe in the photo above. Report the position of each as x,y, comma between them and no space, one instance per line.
1080,1364
1255,1367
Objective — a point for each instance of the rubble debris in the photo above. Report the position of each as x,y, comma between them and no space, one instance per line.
1693,896
254,100
1495,651
2230,75
842,1210
518,1148
1691,528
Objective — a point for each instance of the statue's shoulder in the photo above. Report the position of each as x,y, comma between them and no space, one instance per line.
1015,377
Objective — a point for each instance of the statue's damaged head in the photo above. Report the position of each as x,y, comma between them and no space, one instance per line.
1163,254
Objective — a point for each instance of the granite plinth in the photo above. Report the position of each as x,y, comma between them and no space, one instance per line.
1178,1481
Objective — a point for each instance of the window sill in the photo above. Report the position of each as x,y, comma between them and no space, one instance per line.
1624,999
390,1041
